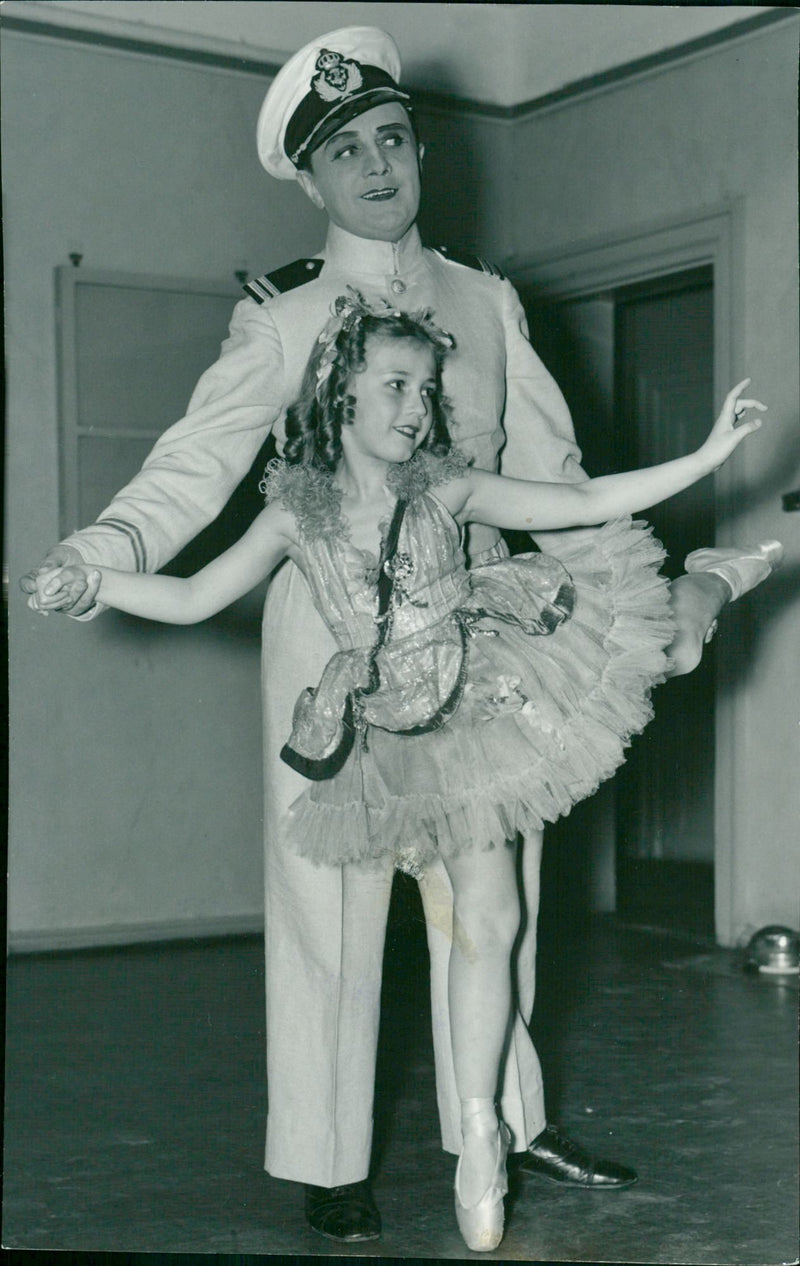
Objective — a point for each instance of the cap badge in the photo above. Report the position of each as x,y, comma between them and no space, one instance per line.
337,76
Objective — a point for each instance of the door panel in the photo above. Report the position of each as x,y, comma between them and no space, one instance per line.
636,366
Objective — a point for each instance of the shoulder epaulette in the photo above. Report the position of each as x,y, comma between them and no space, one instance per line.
470,261
287,278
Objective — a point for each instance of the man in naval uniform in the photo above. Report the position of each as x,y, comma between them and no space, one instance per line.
336,120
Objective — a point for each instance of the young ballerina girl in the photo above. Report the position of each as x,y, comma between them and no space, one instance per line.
462,707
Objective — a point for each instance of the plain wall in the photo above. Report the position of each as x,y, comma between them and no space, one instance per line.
446,47
135,749
147,165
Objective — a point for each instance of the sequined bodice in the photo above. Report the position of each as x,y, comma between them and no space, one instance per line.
416,678
430,577
429,569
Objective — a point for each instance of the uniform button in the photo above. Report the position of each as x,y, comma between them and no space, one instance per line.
309,264
398,286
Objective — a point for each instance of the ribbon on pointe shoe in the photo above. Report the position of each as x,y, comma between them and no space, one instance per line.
741,569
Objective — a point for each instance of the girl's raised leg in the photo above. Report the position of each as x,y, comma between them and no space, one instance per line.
695,602
713,578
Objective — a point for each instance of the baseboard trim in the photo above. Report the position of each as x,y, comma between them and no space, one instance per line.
51,940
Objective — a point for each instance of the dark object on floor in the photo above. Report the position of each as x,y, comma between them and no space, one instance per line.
554,1156
343,1213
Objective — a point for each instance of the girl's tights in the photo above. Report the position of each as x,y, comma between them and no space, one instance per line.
486,920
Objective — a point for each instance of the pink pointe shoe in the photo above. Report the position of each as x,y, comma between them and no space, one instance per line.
481,1224
741,569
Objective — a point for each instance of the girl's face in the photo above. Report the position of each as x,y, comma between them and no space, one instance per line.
393,393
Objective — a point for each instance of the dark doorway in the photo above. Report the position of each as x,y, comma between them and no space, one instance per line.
636,366
664,392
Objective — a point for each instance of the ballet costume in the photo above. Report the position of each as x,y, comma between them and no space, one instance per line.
500,696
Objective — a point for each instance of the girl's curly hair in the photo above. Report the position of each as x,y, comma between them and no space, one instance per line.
325,404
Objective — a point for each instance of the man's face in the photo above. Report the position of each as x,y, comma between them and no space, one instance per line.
366,176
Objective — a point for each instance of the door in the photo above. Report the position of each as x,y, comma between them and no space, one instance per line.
664,396
636,366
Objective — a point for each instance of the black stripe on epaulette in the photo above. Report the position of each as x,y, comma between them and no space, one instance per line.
282,279
470,261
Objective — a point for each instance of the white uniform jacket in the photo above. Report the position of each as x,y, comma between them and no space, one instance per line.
503,397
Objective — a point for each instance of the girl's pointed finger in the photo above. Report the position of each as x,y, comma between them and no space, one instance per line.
739,388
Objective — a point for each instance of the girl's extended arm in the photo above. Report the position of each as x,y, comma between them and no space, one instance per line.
176,601
515,503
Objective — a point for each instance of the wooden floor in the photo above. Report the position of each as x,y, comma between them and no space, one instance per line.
136,1103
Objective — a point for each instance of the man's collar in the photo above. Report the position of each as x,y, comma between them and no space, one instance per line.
349,254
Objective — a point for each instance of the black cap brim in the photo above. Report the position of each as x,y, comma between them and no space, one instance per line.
345,111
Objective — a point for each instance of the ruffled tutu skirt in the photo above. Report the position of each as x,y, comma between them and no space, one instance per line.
543,720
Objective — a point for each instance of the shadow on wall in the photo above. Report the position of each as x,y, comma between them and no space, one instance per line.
558,340
747,624
452,211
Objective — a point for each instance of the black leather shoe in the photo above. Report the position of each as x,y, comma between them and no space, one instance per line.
552,1155
343,1213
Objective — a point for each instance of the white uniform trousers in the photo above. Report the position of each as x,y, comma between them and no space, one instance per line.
324,939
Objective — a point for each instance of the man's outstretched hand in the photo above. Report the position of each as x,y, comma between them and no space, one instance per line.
76,596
